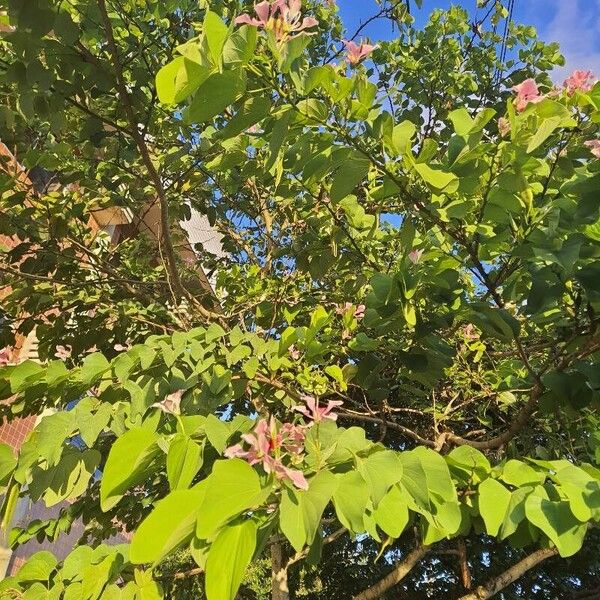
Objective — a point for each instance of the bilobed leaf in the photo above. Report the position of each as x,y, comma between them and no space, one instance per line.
170,524
127,464
232,488
381,470
301,511
391,514
402,136
515,513
253,111
24,374
179,79
145,586
215,33
93,367
350,501
184,460
437,178
468,463
582,490
557,521
38,567
240,46
437,474
544,131
462,121
494,500
227,560
348,176
518,473
91,424
215,95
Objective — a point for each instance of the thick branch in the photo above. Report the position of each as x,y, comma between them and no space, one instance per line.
517,425
399,572
495,585
144,152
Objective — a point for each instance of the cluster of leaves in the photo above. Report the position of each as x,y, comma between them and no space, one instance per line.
391,246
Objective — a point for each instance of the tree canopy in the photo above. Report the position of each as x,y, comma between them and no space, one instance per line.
392,388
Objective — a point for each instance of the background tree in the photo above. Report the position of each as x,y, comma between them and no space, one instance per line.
412,248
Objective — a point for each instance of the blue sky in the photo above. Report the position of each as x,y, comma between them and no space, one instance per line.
575,24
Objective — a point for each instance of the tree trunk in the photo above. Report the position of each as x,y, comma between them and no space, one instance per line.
279,583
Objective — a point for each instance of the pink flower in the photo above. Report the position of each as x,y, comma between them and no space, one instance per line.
63,352
121,347
293,437
594,146
293,475
579,80
359,311
171,404
415,256
282,17
503,126
314,412
470,332
357,52
266,444
5,355
527,92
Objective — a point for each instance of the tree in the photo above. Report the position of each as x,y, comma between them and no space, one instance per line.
401,357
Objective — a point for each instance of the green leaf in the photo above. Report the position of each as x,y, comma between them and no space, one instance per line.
381,470
215,95
183,461
217,432
145,586
348,176
215,33
402,136
391,514
8,462
462,121
350,501
515,513
93,367
557,521
437,178
233,487
252,111
127,465
582,490
363,343
39,567
301,511
518,473
469,464
169,525
179,79
240,46
91,423
494,500
543,132
228,558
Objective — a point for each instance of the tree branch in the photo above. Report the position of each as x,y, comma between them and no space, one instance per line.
517,425
495,585
165,233
399,572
